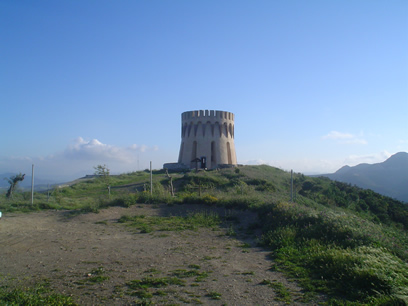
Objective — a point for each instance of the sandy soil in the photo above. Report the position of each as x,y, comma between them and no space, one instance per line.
69,251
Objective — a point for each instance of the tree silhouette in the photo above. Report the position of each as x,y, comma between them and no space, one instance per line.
13,181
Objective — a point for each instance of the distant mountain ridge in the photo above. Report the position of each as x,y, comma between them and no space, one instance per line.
389,178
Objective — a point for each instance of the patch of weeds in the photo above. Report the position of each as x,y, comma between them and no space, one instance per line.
102,222
184,300
162,236
152,271
126,218
245,245
194,267
98,279
98,271
231,232
211,257
142,294
150,282
214,295
282,293
199,276
145,229
96,276
160,293
41,294
184,273
196,301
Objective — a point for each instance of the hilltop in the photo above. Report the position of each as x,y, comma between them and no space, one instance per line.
336,242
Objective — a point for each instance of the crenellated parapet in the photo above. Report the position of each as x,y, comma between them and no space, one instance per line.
207,134
202,123
199,114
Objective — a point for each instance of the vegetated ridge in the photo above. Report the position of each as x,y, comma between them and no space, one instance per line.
389,178
345,242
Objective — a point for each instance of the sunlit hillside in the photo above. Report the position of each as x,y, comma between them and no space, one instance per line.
335,239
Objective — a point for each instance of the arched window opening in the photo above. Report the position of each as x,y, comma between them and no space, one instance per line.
189,129
225,129
184,129
229,153
213,156
193,154
197,128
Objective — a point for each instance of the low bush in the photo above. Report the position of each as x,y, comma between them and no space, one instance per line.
338,253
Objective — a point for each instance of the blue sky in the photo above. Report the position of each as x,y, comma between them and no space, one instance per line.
314,85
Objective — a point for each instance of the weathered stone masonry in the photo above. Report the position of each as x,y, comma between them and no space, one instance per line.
208,136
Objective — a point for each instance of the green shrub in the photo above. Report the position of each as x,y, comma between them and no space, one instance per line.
208,199
281,237
339,253
39,295
361,272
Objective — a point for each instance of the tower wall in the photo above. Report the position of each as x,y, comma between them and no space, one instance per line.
208,134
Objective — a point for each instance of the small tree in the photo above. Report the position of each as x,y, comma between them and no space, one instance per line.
103,172
13,181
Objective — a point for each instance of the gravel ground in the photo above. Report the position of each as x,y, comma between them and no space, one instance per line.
94,258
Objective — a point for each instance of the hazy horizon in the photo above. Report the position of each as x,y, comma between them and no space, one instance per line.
314,85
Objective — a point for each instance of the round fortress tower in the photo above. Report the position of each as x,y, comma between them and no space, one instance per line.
209,137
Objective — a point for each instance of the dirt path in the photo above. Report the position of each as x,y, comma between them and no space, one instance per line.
94,258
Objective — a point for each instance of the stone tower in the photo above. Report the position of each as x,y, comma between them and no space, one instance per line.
207,138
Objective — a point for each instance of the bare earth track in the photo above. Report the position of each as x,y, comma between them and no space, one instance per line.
70,252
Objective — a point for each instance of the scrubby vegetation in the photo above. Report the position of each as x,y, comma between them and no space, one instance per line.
38,296
348,243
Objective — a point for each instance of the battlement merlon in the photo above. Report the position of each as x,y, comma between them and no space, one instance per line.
207,114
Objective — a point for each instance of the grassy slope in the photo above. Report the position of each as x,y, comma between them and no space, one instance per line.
347,242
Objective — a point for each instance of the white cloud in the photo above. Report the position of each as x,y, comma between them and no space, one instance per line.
345,138
140,148
353,160
95,150
79,158
338,135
